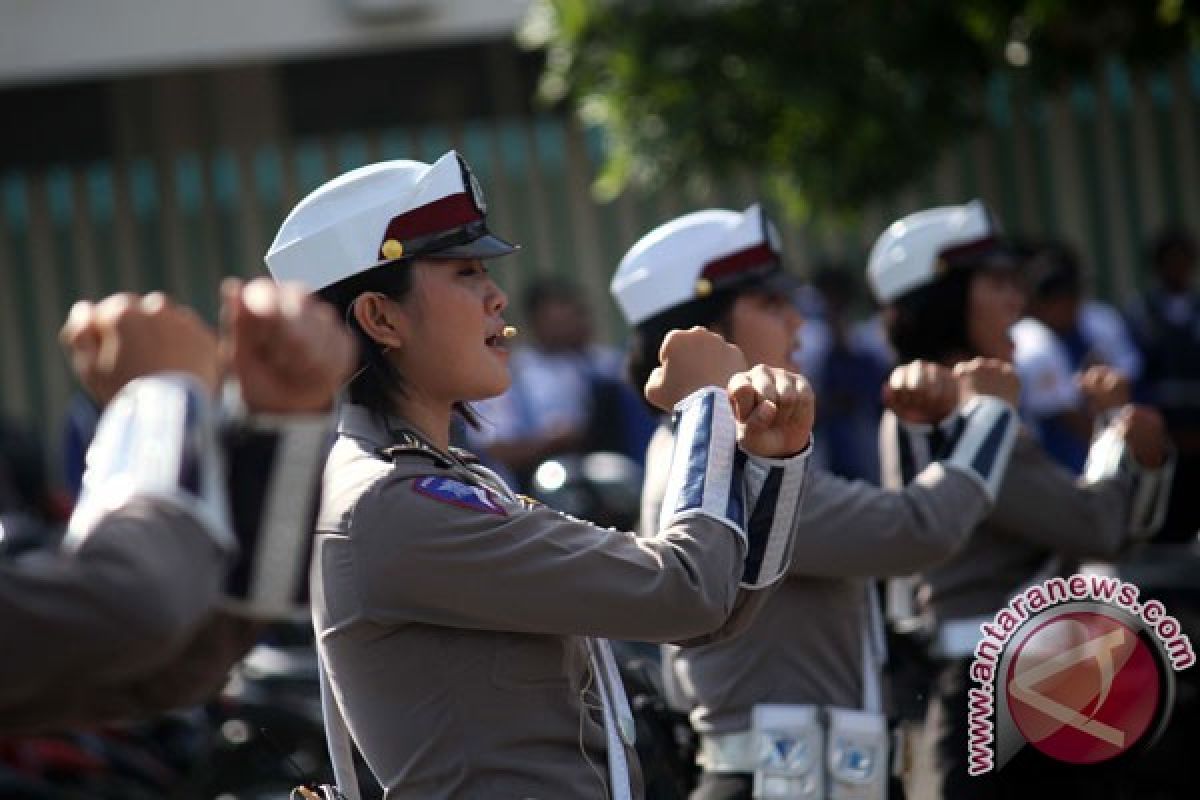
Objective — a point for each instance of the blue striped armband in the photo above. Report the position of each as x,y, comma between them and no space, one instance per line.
156,438
705,477
982,443
275,465
1109,457
774,491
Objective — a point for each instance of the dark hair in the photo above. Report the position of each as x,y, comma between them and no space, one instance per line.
376,382
1053,271
545,290
1171,240
931,322
647,337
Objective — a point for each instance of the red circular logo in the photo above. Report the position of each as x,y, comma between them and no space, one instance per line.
1083,687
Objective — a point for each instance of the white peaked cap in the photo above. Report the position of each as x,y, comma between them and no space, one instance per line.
693,255
915,250
384,212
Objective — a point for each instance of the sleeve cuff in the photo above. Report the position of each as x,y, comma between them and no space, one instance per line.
1109,457
982,449
775,487
705,477
157,438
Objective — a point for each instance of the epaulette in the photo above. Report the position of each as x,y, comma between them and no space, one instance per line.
465,456
408,444
529,502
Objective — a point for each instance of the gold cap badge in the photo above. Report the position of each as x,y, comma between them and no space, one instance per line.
392,249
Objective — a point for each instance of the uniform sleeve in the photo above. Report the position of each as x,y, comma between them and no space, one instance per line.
854,529
765,494
194,675
1109,458
118,608
143,557
531,569
775,489
945,480
156,439
1046,505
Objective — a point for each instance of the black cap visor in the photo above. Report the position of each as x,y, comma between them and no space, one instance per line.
770,278
485,247
469,241
988,253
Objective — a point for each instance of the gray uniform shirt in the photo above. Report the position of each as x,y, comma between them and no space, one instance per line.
450,612
108,631
1041,512
135,615
806,644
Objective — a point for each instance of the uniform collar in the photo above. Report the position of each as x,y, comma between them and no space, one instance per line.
357,422
385,434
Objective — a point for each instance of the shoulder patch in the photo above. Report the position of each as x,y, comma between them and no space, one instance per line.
456,493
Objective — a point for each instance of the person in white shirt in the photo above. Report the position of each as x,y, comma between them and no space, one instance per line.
1064,335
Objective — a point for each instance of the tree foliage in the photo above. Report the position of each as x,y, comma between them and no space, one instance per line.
835,101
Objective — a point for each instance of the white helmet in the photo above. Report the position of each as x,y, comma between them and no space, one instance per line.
384,212
917,249
693,255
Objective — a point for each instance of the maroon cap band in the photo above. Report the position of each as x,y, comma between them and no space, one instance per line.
446,214
739,261
966,252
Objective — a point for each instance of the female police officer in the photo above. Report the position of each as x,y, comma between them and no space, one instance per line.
809,663
948,288
456,619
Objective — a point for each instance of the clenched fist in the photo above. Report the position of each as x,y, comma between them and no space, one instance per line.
1103,388
127,336
775,410
691,360
921,392
988,376
288,350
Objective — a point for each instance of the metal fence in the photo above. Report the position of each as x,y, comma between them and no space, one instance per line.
1102,165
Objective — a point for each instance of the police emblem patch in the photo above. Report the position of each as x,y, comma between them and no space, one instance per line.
457,493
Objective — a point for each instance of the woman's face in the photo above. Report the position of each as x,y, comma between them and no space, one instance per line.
454,349
994,304
764,325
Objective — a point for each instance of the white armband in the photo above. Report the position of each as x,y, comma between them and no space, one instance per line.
1109,457
156,438
982,445
275,465
774,491
705,477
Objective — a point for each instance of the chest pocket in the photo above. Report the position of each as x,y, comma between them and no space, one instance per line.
528,661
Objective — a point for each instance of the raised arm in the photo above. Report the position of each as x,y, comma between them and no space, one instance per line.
465,558
852,528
